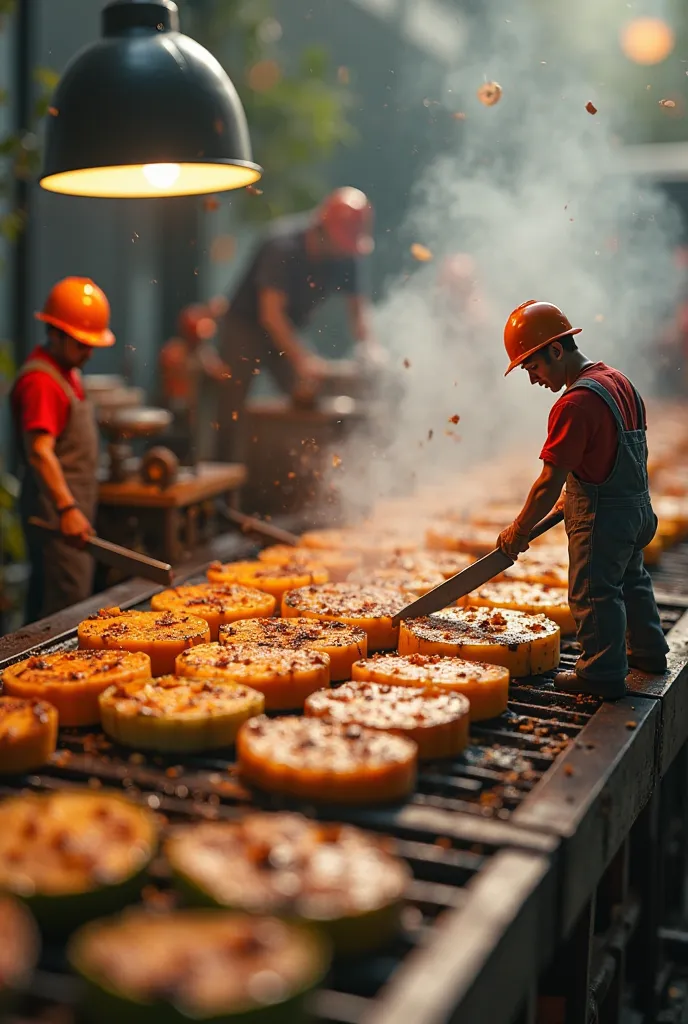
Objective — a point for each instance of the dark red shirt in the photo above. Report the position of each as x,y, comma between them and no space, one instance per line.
38,401
582,434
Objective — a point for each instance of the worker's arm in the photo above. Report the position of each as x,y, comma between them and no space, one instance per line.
544,494
40,453
358,317
273,317
212,365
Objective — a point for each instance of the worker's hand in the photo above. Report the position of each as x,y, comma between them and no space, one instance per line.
561,502
310,372
513,541
74,526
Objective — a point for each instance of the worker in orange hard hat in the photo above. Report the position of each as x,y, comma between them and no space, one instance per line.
300,263
56,426
186,362
596,447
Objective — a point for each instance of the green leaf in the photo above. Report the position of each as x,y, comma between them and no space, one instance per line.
314,62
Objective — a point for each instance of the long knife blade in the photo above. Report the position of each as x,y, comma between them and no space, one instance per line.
480,572
117,557
252,525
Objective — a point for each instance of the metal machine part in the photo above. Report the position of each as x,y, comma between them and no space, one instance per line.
159,466
121,426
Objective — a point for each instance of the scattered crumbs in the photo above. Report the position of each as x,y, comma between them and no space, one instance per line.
430,434
253,191
421,252
454,419
407,364
667,103
631,724
568,769
591,108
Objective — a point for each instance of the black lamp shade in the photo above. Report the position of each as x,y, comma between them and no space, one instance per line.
146,111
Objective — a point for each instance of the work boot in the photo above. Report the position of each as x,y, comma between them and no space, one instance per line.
654,666
570,682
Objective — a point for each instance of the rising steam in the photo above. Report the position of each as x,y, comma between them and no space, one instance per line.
529,189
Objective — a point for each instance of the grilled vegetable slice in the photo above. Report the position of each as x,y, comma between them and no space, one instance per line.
411,584
72,855
485,686
273,579
371,545
533,598
284,677
161,635
178,715
445,535
435,719
326,762
217,603
368,608
73,680
343,644
28,734
525,644
338,562
200,965
19,946
337,877
548,566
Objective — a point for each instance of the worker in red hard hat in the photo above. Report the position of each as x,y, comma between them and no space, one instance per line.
596,446
186,361
58,434
301,262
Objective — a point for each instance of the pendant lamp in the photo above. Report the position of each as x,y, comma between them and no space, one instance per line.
145,112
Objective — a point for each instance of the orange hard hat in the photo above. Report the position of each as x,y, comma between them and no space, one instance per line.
196,322
77,306
347,217
533,325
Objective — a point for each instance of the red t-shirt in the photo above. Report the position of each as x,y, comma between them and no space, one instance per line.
38,401
582,435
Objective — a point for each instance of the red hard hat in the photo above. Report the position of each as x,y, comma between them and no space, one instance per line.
533,325
347,217
196,322
77,306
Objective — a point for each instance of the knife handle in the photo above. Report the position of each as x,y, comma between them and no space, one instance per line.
553,519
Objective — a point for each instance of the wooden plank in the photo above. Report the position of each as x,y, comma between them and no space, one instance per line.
211,480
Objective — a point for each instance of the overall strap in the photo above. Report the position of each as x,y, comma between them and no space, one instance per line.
599,389
43,366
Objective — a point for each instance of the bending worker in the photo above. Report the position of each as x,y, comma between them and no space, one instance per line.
57,426
301,262
595,445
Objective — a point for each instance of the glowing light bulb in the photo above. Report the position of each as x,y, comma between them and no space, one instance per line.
647,40
161,176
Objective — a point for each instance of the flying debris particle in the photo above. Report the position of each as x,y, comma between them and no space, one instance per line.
343,75
210,204
54,112
490,93
431,103
421,252
459,115
235,415
253,191
336,461
599,318
454,419
407,364
430,434
255,371
631,725
135,236
667,103
291,476
591,108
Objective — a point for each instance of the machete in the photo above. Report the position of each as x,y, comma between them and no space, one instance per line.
480,572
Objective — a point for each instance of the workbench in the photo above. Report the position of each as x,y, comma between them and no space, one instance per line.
166,521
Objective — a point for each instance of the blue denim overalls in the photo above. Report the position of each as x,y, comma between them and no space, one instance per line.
608,525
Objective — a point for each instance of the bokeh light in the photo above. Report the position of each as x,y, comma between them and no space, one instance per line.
647,40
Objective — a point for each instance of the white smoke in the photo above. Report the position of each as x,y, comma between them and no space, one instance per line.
529,189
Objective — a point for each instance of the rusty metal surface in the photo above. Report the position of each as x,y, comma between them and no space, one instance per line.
594,793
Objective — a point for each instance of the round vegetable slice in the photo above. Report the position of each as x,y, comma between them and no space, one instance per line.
273,579
548,566
326,762
161,635
343,644
485,686
200,965
28,734
178,715
217,603
411,584
19,947
72,855
445,535
368,608
435,719
338,562
533,598
73,680
284,677
371,545
335,876
525,644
